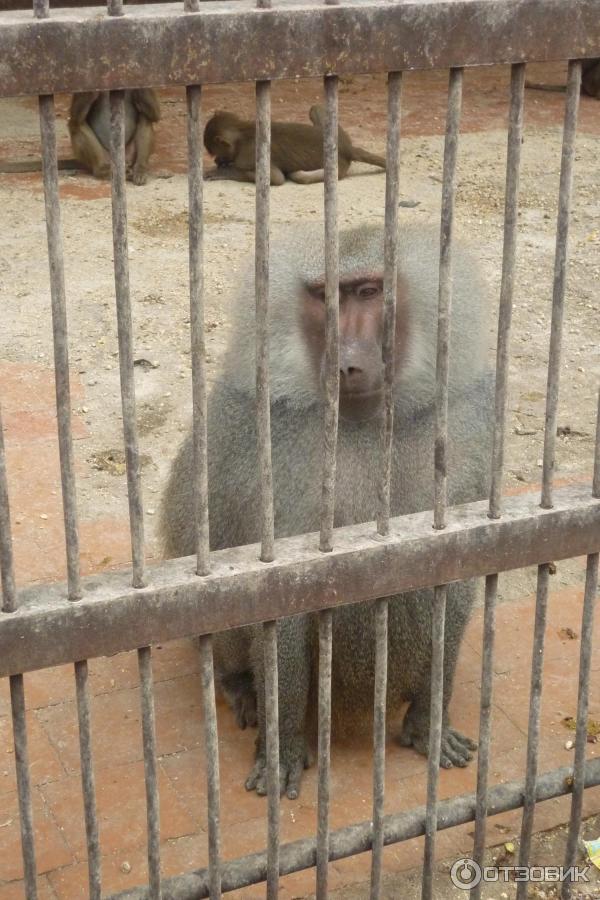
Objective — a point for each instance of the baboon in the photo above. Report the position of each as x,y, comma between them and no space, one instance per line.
89,127
296,149
297,343
590,80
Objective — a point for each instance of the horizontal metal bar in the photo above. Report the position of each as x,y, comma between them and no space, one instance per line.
354,839
231,40
46,630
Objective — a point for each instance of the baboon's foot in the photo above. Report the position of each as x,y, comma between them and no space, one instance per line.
456,748
292,762
138,175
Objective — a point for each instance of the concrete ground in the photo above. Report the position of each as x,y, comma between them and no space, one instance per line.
159,278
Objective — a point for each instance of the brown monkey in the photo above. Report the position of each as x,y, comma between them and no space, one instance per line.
297,346
89,127
296,149
590,80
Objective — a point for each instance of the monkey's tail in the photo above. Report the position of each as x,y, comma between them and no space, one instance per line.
361,155
35,165
536,86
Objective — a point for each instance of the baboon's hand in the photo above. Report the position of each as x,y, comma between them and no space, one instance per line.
292,762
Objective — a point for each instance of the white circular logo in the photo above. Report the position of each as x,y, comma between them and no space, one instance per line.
465,874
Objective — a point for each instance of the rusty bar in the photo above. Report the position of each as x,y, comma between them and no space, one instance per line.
272,721
61,342
19,724
161,45
125,328
560,277
596,481
355,839
263,4
7,568
241,590
191,6
150,771
440,475
533,730
379,720
485,723
585,667
511,214
324,746
211,750
114,7
390,278
87,779
41,9
263,405
435,737
332,372
515,128
198,345
445,292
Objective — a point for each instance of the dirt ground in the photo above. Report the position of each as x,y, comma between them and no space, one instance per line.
157,216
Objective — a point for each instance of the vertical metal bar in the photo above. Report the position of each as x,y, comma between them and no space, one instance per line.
511,213
445,292
390,279
87,779
441,435
7,570
560,264
585,661
211,749
272,717
533,731
325,656
17,702
198,345
596,481
560,275
61,344
332,369
585,666
115,7
485,722
124,325
150,771
263,4
435,737
263,185
191,5
41,9
379,719
513,160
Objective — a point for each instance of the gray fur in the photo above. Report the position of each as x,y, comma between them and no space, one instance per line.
297,442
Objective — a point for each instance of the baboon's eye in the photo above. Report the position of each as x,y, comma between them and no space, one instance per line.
368,290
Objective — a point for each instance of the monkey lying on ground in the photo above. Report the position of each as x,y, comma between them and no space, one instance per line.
297,346
89,127
590,80
296,149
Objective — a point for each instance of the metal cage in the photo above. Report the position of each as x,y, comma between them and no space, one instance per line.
156,45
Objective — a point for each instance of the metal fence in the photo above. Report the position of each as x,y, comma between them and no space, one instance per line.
52,624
